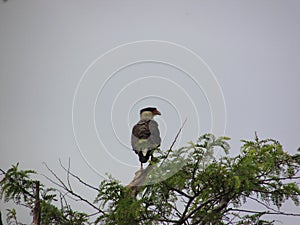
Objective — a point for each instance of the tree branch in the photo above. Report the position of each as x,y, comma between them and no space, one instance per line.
64,186
68,173
263,204
264,212
173,143
78,178
37,205
180,192
1,223
136,184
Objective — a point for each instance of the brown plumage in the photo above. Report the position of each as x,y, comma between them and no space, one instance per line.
145,136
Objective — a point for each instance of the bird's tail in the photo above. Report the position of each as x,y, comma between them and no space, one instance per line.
144,157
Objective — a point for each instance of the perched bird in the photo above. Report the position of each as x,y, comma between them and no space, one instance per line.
145,137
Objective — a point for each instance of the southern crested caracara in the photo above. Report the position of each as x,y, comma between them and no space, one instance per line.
145,137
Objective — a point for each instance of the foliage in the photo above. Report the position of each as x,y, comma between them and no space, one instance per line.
20,188
17,186
12,217
190,185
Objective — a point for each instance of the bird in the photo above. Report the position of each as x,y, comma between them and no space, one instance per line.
145,136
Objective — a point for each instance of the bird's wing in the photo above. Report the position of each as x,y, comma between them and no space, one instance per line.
140,134
154,138
145,136
141,130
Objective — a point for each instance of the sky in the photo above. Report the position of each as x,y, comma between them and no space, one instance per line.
74,75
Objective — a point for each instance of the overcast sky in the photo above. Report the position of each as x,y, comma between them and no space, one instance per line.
74,74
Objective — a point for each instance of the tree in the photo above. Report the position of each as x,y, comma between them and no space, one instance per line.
186,186
1,223
19,187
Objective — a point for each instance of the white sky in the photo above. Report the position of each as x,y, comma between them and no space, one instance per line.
251,47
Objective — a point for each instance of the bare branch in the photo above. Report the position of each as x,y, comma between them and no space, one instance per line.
78,178
53,182
183,216
79,197
62,184
2,172
263,204
282,178
174,141
138,180
68,173
265,212
180,192
178,134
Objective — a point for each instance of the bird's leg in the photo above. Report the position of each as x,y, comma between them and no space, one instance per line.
141,166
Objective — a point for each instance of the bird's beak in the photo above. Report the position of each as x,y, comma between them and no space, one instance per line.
156,112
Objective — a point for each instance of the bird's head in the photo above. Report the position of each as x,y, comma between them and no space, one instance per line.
149,113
